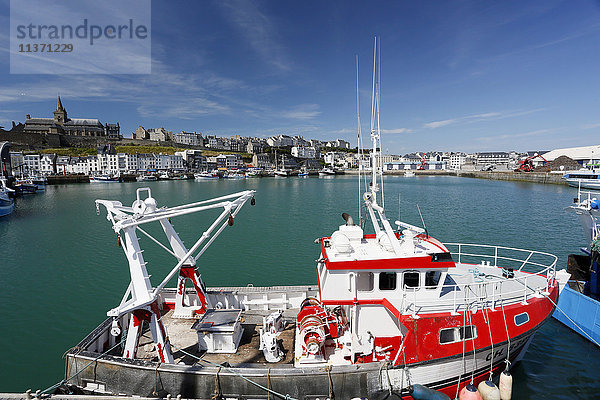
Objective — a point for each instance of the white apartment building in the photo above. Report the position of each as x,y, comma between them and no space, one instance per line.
31,164
127,163
48,164
189,138
335,158
304,152
280,141
229,161
108,164
339,143
456,160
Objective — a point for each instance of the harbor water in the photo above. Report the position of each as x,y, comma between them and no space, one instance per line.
61,268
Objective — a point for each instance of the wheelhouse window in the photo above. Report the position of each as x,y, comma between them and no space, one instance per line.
364,281
458,334
387,281
411,279
432,279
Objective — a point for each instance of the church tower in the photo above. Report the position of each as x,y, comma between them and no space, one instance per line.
60,115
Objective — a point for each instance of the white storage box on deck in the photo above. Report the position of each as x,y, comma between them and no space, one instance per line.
219,331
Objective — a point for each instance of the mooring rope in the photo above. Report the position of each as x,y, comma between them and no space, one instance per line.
464,371
487,319
331,395
569,318
218,394
507,334
62,382
473,344
154,392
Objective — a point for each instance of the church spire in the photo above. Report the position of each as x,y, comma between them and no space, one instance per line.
60,115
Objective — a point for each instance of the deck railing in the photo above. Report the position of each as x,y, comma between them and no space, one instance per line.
534,275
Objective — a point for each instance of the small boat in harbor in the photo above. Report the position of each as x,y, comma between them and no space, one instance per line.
25,186
409,173
282,172
104,179
234,175
200,176
40,182
390,310
7,203
327,172
579,301
584,178
146,178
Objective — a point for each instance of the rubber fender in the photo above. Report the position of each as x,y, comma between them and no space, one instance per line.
488,390
420,392
469,392
505,385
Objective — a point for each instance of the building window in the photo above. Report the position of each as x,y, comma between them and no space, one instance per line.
387,281
458,334
411,279
521,319
364,281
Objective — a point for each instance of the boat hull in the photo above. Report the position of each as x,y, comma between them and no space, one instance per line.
581,310
7,206
584,183
112,375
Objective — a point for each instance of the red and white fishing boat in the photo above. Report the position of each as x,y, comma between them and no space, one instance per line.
390,310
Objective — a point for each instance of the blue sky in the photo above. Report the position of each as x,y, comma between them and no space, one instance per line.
456,75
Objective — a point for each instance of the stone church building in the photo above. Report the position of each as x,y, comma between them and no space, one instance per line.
63,125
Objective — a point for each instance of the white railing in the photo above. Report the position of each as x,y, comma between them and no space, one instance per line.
534,275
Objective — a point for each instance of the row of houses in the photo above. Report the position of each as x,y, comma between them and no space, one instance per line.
99,164
253,145
433,160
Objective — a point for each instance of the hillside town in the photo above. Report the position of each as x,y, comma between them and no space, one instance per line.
192,152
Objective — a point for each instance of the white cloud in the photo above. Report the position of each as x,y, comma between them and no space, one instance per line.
439,124
536,132
591,126
303,111
257,29
490,116
397,130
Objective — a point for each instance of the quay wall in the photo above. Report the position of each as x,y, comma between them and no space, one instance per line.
535,177
64,179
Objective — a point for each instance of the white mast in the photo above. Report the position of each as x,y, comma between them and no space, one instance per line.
359,144
377,212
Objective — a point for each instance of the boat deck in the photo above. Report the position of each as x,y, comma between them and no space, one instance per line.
183,337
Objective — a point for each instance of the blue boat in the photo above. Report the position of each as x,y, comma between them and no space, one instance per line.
578,304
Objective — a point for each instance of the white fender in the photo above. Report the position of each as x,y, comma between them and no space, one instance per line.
505,385
488,390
